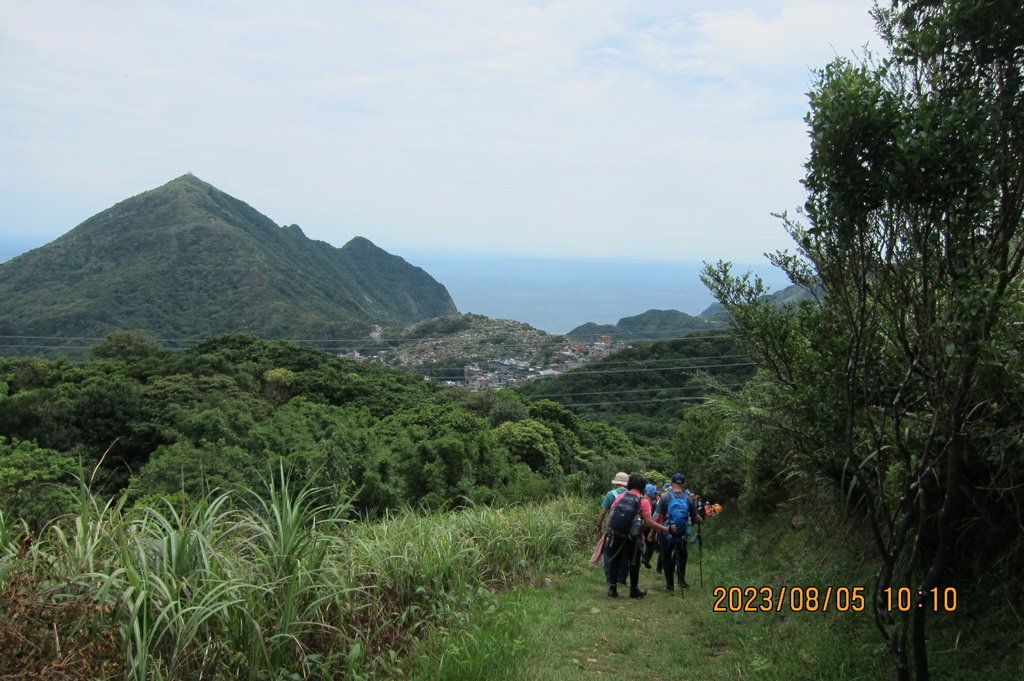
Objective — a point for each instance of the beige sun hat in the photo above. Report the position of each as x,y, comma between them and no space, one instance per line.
620,479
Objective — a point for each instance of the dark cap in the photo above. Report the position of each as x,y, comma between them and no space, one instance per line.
678,479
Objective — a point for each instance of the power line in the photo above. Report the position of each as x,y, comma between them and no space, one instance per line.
402,339
654,257
677,368
604,363
640,390
581,371
577,244
617,403
601,361
329,345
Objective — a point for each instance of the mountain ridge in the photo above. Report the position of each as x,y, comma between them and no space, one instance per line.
649,325
788,295
186,259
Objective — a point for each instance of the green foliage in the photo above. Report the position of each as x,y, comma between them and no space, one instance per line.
784,299
895,393
442,326
196,470
269,584
278,384
232,410
642,390
34,482
532,443
187,261
717,460
126,345
505,410
650,325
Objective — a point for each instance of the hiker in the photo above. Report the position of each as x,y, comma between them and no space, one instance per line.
677,509
619,481
630,514
652,494
652,539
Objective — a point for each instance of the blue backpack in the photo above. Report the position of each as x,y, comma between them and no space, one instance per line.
679,514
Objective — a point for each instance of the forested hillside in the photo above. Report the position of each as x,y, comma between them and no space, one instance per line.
234,409
647,326
645,389
187,261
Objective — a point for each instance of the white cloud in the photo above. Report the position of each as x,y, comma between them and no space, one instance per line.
420,123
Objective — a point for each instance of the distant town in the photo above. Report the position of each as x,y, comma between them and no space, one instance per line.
507,373
510,358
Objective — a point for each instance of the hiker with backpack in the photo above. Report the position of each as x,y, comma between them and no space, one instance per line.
630,514
677,509
619,481
652,539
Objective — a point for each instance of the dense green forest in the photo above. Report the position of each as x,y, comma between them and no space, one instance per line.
229,412
644,389
162,511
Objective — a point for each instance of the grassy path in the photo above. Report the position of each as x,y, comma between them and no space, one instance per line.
567,628
572,630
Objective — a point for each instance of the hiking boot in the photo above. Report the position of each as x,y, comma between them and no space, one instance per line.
647,564
669,588
613,591
684,584
637,593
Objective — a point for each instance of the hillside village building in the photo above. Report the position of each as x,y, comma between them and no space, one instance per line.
509,372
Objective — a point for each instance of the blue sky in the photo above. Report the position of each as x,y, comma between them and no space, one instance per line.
566,128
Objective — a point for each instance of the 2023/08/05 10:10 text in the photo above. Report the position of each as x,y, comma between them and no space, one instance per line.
824,599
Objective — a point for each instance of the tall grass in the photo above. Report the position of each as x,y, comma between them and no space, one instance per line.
274,584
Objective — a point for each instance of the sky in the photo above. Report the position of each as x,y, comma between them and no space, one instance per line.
564,128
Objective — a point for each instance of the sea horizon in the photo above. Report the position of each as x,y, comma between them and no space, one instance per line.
557,294
552,293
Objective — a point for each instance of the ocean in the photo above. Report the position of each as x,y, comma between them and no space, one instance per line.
557,295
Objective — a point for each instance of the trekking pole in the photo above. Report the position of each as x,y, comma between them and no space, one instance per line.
700,558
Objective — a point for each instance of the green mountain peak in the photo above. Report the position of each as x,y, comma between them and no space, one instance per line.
186,260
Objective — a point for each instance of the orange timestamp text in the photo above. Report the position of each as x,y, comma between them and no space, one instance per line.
789,599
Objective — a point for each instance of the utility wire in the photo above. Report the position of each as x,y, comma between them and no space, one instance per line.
624,392
677,368
551,338
468,346
619,402
578,373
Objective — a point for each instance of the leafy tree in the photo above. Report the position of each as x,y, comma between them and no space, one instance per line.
443,472
233,409
532,443
605,441
913,232
196,470
505,410
126,345
104,409
278,384
34,482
